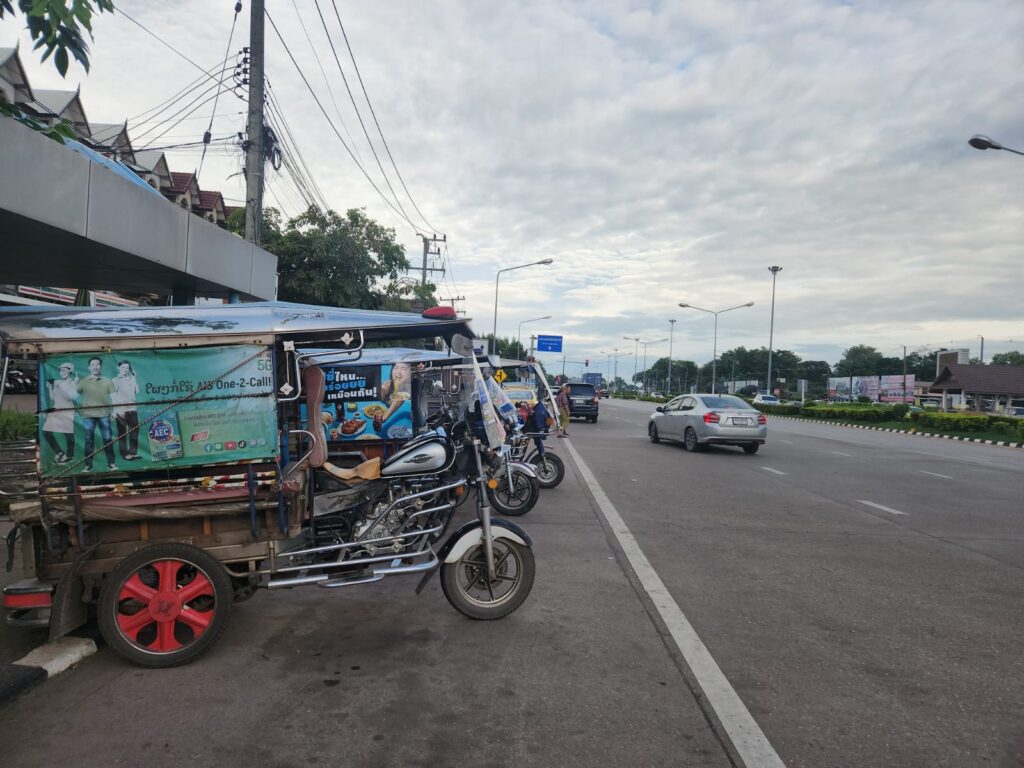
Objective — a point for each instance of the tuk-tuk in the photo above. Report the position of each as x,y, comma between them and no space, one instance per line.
183,461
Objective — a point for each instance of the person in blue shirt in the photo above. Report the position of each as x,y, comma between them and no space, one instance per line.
538,422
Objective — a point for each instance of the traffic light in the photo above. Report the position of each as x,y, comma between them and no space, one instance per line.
586,363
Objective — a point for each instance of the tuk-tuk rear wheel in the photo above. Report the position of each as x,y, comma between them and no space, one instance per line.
165,604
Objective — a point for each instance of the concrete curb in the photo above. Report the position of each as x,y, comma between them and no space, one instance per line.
40,665
1002,443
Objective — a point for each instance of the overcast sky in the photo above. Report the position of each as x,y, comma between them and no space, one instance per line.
658,152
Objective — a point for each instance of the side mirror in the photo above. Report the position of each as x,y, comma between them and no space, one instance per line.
659,409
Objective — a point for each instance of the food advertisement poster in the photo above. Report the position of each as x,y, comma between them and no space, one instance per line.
371,402
154,409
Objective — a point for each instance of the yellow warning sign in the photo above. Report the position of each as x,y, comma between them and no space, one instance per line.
500,376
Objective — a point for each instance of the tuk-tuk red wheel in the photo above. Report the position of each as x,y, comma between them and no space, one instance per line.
164,605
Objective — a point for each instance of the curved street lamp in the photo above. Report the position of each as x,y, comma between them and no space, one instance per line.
497,276
984,142
519,332
714,359
645,343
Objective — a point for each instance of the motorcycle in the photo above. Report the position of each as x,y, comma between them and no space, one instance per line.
549,466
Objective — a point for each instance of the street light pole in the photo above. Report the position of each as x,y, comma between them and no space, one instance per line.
533,320
714,359
645,343
671,332
497,276
984,142
636,353
614,355
771,328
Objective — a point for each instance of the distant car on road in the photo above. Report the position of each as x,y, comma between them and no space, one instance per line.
656,394
703,419
765,399
1018,412
583,401
520,393
604,393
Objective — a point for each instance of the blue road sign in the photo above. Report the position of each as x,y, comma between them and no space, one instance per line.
549,343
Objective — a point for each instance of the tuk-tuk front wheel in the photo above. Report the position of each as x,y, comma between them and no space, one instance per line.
472,593
165,605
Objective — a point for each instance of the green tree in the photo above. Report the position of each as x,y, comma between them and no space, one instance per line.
56,25
1008,358
342,261
859,360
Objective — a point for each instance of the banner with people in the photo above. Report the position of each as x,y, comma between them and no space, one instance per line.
150,409
372,402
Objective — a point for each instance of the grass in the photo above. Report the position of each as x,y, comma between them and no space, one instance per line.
908,426
15,425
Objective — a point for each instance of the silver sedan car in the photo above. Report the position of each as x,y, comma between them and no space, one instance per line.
699,420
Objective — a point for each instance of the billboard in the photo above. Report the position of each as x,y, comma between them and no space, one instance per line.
154,409
886,389
372,402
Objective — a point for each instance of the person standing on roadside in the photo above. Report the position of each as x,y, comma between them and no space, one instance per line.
562,401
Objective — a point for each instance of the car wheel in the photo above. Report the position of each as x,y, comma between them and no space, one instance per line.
751,449
652,432
690,440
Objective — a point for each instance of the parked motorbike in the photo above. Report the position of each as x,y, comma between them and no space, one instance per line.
549,466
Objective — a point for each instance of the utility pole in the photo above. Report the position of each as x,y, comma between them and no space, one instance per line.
982,349
254,151
428,251
533,341
904,373
771,329
453,299
671,332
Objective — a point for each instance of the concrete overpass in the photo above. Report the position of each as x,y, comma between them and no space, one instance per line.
68,220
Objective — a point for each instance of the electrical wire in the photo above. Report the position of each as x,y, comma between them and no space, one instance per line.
334,128
167,45
204,96
175,124
177,96
287,138
327,82
376,122
359,116
213,112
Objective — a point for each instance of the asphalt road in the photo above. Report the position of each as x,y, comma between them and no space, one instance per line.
853,635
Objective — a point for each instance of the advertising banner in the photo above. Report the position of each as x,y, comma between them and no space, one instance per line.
153,409
372,402
886,389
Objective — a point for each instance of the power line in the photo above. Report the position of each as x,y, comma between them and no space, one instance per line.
334,128
327,82
287,137
166,103
375,121
359,116
167,45
213,112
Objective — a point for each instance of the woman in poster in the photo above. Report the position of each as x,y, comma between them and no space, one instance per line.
126,414
60,420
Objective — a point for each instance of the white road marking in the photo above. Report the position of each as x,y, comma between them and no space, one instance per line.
748,740
787,442
890,510
773,471
934,474
840,453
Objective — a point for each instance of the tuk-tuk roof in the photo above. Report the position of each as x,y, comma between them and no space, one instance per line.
62,328
380,356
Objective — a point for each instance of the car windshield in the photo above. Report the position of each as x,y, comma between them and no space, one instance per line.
723,401
769,399
581,390
519,394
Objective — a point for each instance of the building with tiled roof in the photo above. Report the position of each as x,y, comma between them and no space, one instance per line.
184,189
112,140
14,86
51,107
210,206
978,384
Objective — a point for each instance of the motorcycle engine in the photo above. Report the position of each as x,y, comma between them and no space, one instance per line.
374,526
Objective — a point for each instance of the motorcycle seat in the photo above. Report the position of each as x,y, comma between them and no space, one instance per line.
368,470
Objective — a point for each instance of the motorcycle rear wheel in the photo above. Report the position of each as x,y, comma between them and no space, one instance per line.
550,469
473,594
518,500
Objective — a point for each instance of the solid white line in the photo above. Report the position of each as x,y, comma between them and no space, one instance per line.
787,442
934,474
840,453
749,741
890,510
773,471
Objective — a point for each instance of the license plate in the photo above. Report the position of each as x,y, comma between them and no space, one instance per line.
742,422
579,401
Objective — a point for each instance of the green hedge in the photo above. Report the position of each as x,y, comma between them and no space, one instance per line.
854,413
778,410
964,422
15,425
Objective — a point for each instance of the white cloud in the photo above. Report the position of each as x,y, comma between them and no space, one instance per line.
660,153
